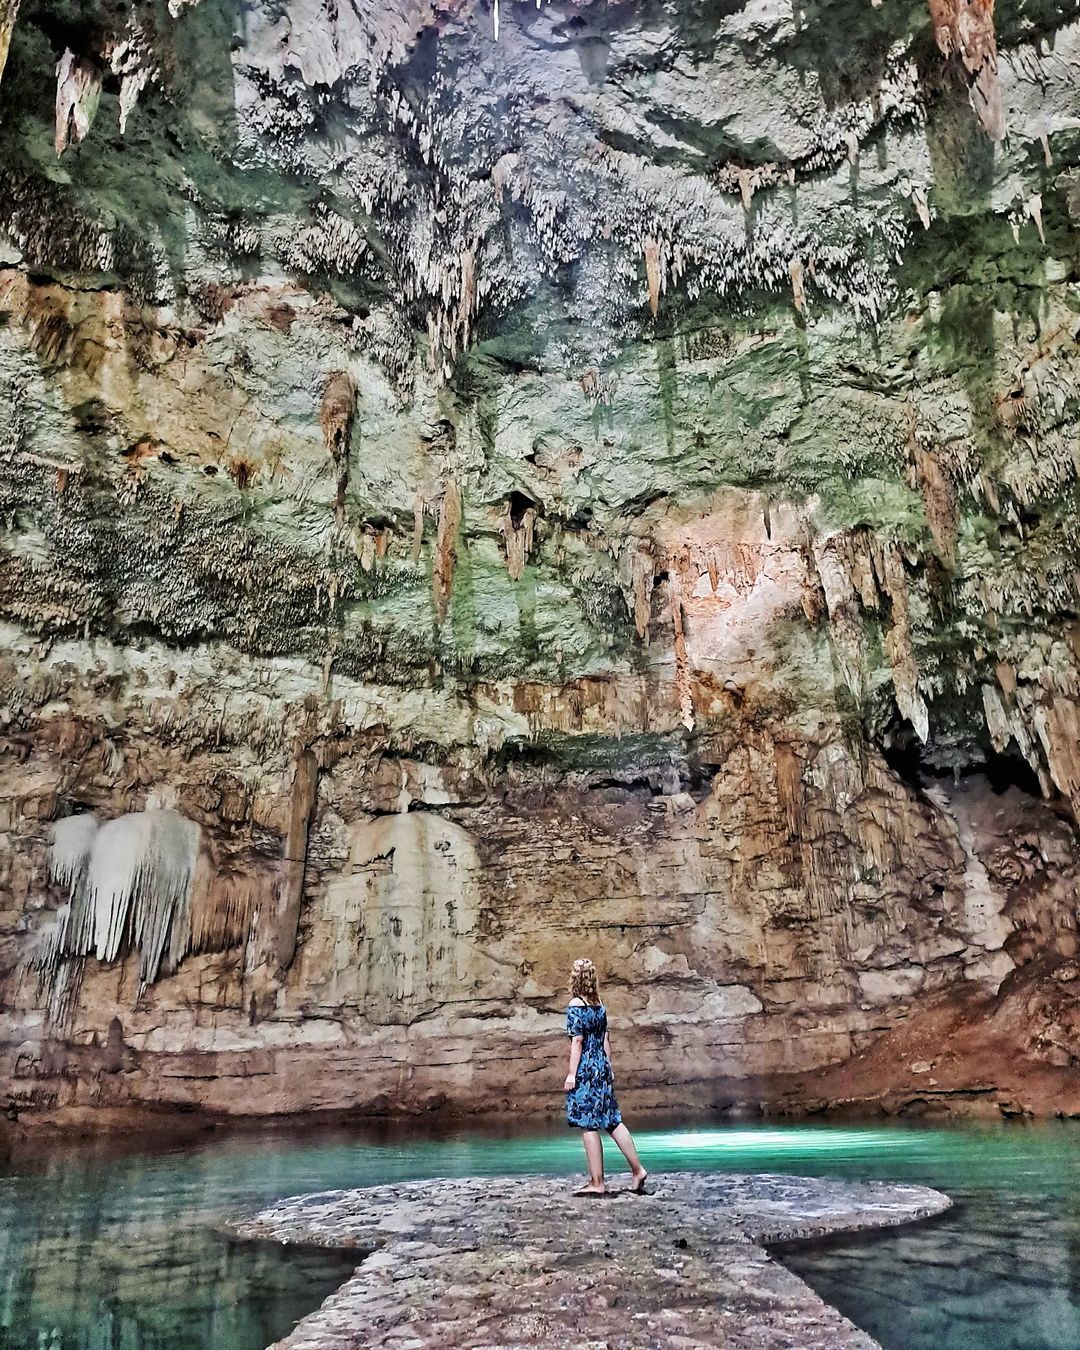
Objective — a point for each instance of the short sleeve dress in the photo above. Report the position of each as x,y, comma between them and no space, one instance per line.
591,1105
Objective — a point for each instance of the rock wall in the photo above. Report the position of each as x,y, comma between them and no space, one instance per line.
765,910
471,500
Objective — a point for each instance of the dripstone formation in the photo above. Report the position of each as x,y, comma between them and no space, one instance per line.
474,498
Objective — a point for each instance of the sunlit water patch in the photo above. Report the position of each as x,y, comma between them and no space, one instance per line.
105,1250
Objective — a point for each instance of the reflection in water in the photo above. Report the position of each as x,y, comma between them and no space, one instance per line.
123,1257
101,1250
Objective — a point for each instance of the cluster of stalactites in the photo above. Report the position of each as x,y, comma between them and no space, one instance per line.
129,885
964,30
857,570
846,574
79,80
735,564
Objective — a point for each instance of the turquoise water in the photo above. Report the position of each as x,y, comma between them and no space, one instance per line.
109,1250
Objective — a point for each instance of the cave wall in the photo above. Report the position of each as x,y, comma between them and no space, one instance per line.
610,488
762,913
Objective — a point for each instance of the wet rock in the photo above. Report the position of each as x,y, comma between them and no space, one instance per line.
458,1262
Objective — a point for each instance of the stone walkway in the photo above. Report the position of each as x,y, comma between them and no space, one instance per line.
495,1264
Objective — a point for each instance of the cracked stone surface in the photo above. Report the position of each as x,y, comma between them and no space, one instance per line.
494,1262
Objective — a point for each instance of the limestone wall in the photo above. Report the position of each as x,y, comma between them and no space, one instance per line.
759,913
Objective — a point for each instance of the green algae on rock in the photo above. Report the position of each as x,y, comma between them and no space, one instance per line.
640,452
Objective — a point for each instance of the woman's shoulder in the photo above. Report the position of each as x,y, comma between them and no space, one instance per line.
576,1003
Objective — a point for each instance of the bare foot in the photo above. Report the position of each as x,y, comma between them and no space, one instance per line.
590,1189
639,1179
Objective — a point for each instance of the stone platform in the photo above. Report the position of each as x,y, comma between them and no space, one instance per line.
491,1264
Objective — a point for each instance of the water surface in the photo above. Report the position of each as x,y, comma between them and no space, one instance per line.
108,1250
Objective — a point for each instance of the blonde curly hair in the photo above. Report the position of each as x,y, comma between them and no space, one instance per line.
583,981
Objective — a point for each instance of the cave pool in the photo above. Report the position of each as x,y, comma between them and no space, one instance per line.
111,1245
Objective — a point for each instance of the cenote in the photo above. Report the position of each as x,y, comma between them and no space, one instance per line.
109,1250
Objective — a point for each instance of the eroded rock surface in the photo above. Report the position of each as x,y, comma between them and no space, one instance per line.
521,1262
610,487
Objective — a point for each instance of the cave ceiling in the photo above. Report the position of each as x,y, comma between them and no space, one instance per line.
352,336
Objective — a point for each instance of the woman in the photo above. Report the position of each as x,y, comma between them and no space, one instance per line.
590,1087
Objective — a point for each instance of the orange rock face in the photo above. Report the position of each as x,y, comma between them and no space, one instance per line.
470,503
375,932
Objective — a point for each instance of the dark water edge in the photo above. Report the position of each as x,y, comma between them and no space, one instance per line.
112,1243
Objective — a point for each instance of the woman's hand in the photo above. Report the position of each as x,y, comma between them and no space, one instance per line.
570,1083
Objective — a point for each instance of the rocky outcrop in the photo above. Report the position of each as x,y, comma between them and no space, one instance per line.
519,1263
606,488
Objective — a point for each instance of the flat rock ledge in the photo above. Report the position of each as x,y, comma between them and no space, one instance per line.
490,1264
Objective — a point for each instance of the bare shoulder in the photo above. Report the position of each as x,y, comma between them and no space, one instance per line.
576,1003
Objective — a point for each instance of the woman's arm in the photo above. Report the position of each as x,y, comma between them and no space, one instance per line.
575,1060
607,1045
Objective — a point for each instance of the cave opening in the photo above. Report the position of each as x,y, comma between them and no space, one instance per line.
518,506
918,766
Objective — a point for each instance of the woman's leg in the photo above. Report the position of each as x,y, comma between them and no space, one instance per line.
594,1153
624,1140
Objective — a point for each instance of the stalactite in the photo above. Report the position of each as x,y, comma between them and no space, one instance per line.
815,605
9,11
69,853
798,285
653,274
898,645
369,545
832,558
129,881
337,411
712,566
442,576
637,567
69,860
78,89
303,790
683,684
965,29
518,528
1033,206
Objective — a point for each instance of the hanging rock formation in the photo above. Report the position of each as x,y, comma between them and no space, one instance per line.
704,598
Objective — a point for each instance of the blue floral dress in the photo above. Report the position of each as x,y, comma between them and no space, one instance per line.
591,1105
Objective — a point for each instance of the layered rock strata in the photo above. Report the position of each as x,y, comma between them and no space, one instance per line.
471,501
